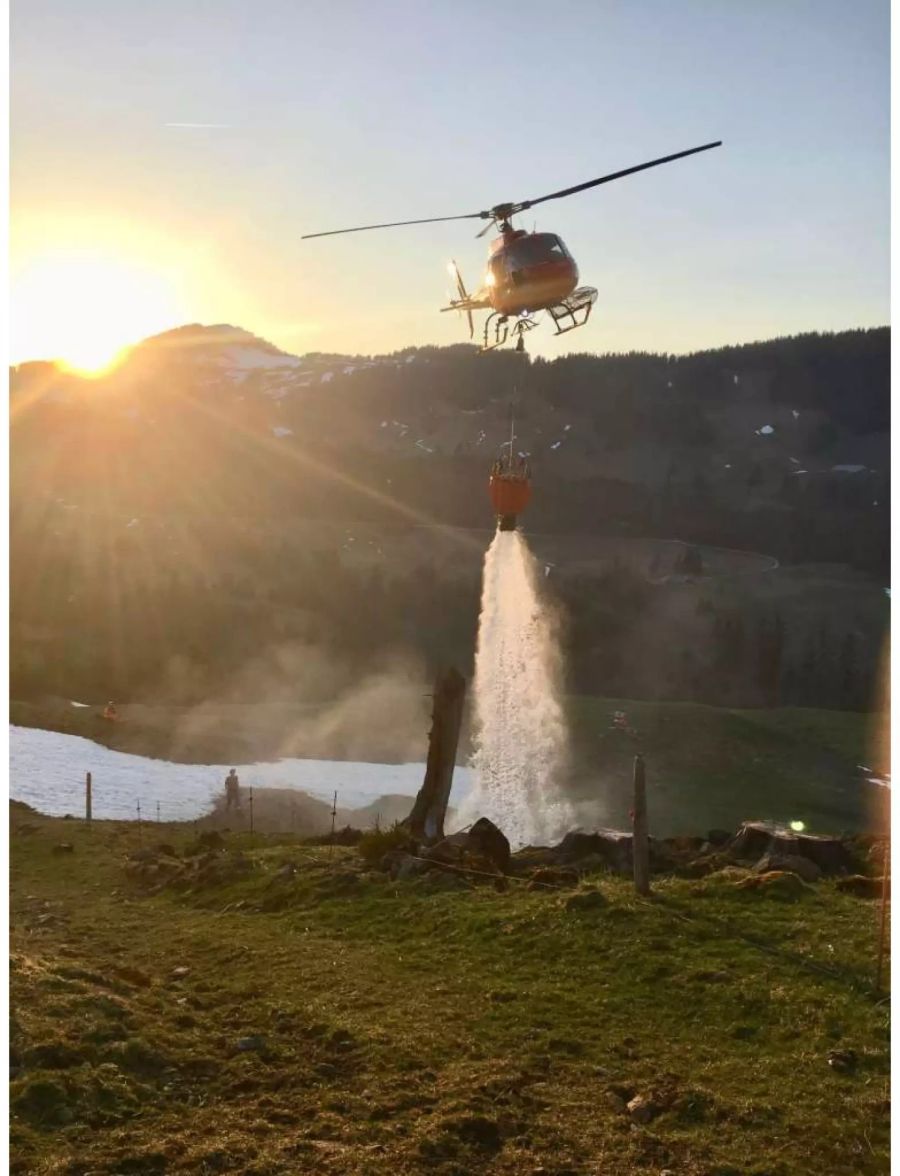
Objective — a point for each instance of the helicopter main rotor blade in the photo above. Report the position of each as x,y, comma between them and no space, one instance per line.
397,224
523,205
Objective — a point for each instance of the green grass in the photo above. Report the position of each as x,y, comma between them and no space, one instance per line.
716,767
412,1028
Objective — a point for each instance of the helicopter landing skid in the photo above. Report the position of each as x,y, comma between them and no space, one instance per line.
497,330
573,311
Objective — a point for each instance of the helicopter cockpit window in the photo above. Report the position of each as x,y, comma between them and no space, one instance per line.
537,249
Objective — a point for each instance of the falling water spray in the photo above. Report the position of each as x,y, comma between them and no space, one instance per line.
520,731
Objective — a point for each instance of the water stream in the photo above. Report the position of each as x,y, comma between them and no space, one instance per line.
521,739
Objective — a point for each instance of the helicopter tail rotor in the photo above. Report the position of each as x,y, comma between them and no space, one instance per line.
463,293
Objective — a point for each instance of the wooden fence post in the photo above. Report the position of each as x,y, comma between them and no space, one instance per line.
251,808
88,811
640,845
884,897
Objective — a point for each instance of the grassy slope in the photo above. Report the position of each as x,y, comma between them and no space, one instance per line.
715,767
411,1030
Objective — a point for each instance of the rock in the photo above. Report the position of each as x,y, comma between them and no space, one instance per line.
63,847
405,866
757,838
532,856
250,1044
179,973
616,1102
860,885
801,866
842,1060
700,867
450,850
642,1109
611,845
682,846
775,884
586,900
490,842
718,837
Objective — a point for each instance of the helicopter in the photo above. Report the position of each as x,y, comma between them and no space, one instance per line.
526,272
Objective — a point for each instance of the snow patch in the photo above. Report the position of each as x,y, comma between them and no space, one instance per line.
249,359
47,771
847,469
765,431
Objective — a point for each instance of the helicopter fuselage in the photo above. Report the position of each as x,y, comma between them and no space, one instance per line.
528,272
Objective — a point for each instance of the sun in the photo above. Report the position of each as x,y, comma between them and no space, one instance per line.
84,308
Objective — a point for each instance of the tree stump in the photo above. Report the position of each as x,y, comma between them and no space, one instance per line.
426,821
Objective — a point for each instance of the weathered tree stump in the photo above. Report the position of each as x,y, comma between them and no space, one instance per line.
426,821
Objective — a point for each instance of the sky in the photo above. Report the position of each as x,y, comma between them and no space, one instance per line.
167,157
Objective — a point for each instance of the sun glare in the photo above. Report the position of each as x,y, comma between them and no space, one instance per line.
85,309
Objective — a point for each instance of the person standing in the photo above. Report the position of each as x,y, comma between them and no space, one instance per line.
232,790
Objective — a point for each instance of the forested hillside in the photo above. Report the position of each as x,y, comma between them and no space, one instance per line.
213,503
